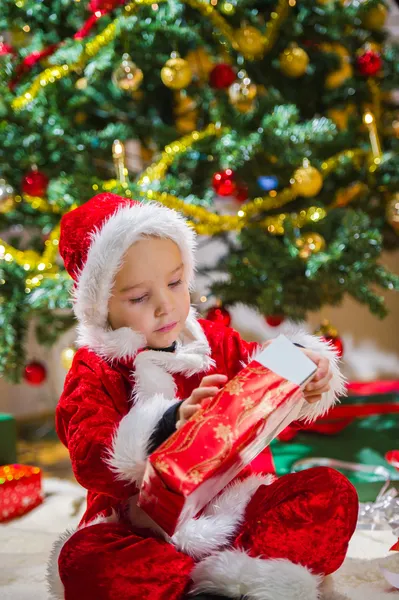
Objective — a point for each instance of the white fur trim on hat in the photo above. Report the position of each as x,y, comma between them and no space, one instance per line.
220,520
108,247
237,575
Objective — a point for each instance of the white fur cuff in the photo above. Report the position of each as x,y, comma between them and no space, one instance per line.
220,520
235,574
130,444
310,412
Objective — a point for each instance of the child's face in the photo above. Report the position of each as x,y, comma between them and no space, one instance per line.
150,294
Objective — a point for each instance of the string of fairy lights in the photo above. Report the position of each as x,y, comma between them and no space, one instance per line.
204,221
252,44
248,40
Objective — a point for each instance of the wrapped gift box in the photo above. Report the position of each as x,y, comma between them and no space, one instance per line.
20,490
211,449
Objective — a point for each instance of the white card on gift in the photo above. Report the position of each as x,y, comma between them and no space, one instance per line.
287,360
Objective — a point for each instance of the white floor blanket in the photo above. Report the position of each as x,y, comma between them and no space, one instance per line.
25,544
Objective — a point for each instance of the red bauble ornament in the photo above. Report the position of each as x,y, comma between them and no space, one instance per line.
220,315
369,63
35,183
393,458
336,343
223,182
241,193
222,76
35,373
274,320
5,49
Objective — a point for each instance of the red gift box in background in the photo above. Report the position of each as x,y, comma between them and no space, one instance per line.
20,490
211,449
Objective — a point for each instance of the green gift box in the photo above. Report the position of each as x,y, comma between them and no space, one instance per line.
8,439
364,441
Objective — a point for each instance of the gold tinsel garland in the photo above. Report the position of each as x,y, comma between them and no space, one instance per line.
52,74
204,221
209,223
31,260
41,204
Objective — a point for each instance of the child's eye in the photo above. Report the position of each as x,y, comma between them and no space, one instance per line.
175,283
138,300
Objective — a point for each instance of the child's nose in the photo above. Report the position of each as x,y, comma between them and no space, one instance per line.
163,305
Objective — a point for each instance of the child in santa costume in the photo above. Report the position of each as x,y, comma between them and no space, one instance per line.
144,364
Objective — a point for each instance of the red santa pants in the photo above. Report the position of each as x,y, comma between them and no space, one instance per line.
307,518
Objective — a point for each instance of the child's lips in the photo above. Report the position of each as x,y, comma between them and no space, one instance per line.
167,327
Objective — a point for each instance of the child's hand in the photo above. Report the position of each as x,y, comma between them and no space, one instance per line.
320,382
208,388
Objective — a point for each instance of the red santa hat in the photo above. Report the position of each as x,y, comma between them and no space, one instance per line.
94,239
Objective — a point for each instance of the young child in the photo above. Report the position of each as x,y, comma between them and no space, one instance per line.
144,365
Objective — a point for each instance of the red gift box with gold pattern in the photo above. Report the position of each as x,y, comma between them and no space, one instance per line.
211,449
20,490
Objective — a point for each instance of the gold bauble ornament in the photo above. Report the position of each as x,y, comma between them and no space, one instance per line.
326,329
242,94
250,41
341,116
127,77
310,243
294,61
176,74
200,64
336,78
307,181
186,114
375,18
67,357
392,212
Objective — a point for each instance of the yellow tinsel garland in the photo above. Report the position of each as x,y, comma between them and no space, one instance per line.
56,72
204,221
41,204
209,223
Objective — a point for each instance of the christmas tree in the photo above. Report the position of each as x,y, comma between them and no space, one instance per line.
268,123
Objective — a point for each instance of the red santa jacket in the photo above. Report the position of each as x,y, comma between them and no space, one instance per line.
109,410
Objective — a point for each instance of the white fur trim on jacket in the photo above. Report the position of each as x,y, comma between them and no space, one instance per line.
237,575
129,452
54,584
109,245
220,520
153,393
154,368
